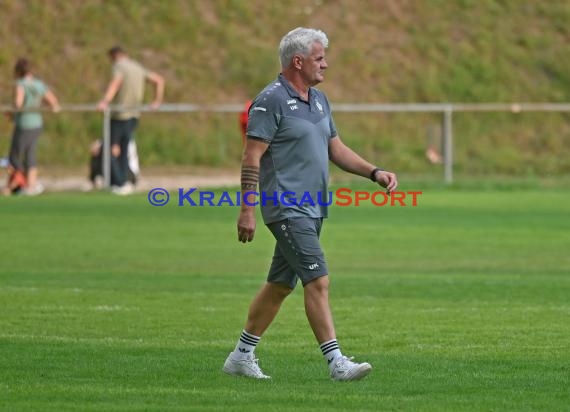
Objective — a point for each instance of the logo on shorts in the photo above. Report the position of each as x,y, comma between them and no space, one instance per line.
314,266
283,227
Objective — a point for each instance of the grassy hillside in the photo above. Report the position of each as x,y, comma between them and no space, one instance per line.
380,51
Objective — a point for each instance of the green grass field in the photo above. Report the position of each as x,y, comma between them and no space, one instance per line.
460,304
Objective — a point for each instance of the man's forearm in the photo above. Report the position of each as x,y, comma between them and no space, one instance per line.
348,160
351,162
249,177
159,82
159,92
249,180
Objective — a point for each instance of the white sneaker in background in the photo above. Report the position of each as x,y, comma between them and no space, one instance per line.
247,367
124,190
98,183
87,187
346,370
38,189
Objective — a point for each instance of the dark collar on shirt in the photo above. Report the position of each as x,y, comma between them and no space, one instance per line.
291,90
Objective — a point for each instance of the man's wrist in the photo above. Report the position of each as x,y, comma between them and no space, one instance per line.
247,208
373,174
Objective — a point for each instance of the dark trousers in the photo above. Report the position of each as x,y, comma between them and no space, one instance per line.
121,133
96,166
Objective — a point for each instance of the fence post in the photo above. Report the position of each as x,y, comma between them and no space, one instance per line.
106,148
448,145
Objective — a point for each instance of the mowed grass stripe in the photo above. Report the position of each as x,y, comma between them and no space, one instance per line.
460,303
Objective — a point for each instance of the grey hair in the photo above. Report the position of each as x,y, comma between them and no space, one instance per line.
299,41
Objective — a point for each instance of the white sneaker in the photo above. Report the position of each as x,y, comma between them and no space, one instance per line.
87,187
346,370
245,367
98,183
38,189
126,189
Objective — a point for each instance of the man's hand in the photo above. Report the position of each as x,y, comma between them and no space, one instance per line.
155,105
246,226
102,105
387,180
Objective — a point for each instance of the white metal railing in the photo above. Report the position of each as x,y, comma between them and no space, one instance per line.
446,109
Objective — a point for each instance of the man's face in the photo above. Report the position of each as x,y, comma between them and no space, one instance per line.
314,65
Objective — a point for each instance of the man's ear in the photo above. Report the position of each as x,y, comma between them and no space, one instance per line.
297,61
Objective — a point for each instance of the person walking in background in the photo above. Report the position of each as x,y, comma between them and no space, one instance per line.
125,91
291,136
29,94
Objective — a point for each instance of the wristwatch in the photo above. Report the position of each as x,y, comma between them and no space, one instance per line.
373,173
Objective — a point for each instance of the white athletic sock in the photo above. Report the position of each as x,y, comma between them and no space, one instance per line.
245,346
331,351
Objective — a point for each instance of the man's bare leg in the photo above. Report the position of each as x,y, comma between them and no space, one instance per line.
265,306
320,318
262,311
318,309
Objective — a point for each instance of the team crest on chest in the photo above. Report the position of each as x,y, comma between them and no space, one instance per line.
319,106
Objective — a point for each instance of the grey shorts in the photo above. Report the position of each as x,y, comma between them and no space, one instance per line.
298,253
